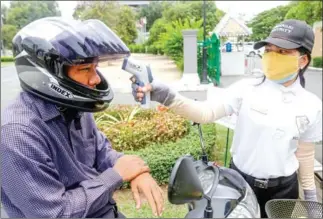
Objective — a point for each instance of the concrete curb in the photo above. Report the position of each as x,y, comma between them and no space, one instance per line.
315,69
7,66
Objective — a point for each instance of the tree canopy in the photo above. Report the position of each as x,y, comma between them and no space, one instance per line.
121,19
21,13
263,23
194,10
152,12
308,11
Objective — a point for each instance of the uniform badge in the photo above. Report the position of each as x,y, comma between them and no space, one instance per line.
302,123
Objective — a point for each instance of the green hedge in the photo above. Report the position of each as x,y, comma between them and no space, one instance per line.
133,128
142,48
7,59
317,62
163,137
162,157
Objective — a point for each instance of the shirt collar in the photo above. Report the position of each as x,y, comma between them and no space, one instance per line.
49,111
296,86
46,109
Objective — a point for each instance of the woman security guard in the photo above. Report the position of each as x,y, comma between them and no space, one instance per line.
278,121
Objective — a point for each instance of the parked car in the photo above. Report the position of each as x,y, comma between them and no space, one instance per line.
251,52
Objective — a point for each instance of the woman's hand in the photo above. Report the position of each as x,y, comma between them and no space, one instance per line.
146,185
159,92
140,92
310,195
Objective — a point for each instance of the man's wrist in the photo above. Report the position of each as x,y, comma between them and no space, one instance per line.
141,175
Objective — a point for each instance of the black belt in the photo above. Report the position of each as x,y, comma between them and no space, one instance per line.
265,183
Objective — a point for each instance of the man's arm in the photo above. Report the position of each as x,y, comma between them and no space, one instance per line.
106,156
32,184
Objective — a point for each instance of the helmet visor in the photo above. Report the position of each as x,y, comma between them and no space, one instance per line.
89,42
78,42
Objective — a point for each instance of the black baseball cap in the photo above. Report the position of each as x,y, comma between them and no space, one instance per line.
290,34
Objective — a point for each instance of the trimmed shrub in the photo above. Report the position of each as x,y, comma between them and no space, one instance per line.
317,62
142,49
7,59
162,157
152,50
131,128
158,136
137,48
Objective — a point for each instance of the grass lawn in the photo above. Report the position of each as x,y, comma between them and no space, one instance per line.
4,64
222,140
126,203
127,206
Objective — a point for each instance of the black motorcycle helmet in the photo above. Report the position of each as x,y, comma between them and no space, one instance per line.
44,48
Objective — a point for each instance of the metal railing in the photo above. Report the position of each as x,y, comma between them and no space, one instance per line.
213,58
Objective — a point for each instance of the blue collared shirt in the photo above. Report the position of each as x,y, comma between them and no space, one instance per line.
50,168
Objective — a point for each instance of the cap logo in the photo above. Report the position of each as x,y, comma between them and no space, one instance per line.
283,28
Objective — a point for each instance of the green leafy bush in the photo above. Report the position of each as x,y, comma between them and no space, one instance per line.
317,62
7,59
142,49
162,157
157,28
172,40
131,47
159,137
152,50
130,129
137,48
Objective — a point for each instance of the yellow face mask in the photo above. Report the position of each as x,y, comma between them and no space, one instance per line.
278,67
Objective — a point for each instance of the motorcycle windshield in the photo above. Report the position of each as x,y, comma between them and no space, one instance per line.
76,41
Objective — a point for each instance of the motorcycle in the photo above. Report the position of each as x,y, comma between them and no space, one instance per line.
211,191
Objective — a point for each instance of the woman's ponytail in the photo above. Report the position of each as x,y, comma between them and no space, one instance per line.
301,72
301,77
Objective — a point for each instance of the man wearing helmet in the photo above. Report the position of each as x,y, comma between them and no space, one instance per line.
56,162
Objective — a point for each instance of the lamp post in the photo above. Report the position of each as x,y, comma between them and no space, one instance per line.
3,52
204,57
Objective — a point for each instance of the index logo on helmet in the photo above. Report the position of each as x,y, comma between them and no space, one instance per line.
60,90
136,67
77,61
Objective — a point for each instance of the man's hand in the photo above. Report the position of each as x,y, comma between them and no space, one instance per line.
145,184
130,166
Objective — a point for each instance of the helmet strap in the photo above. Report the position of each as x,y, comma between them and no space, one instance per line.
70,114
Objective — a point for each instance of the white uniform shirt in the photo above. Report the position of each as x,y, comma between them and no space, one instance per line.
271,119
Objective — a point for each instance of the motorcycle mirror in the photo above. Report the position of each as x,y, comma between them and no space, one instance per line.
184,185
